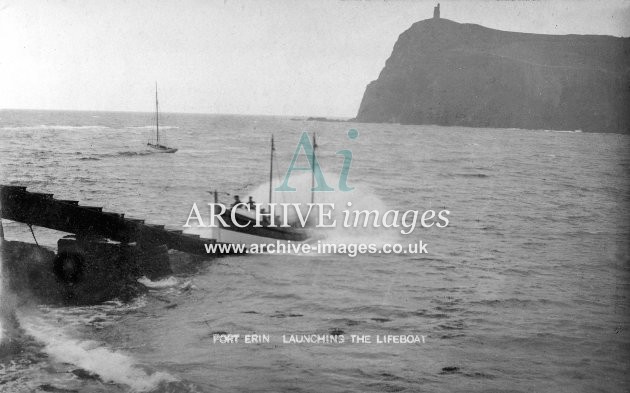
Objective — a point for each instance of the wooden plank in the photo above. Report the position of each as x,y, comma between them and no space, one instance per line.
114,214
43,195
42,210
93,208
16,188
136,220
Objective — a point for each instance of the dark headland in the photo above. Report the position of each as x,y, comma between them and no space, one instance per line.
453,74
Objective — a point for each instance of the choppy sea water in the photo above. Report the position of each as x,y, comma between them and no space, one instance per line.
525,290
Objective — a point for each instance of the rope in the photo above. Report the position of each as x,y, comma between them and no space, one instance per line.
34,238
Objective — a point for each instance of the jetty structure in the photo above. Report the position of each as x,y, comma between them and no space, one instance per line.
100,260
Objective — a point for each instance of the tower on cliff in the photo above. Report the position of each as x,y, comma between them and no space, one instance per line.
436,11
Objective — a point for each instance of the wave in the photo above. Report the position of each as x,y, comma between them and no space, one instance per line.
151,127
44,127
170,283
478,175
100,156
565,131
131,153
516,303
96,316
361,198
110,366
164,283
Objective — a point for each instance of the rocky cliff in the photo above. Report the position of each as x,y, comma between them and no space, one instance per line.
447,73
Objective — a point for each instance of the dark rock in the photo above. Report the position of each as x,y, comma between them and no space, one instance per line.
450,370
335,332
325,119
283,315
84,374
50,388
446,73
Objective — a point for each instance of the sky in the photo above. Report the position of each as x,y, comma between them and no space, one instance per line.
263,57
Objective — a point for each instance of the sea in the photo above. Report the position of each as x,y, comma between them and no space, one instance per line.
525,290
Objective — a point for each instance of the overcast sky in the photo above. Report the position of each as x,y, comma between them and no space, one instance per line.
283,57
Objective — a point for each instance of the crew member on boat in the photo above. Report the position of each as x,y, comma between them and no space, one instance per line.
237,200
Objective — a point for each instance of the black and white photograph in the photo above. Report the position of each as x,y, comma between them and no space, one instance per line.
314,196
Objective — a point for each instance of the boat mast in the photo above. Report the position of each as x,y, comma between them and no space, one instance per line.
157,123
313,169
271,169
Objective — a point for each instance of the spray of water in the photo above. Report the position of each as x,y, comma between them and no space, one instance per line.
3,301
360,198
9,329
109,365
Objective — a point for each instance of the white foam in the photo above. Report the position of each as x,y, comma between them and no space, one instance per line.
164,283
111,366
361,198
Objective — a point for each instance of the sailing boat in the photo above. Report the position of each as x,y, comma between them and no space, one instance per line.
157,146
